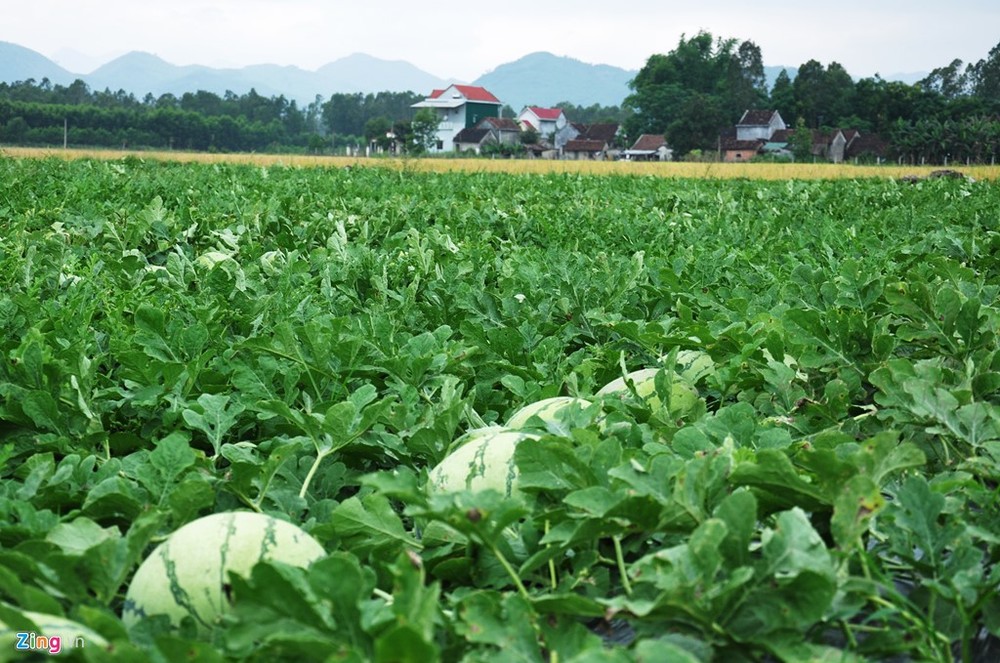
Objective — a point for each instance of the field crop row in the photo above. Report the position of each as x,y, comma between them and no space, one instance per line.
183,339
689,170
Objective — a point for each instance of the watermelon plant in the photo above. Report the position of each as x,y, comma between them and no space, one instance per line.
806,470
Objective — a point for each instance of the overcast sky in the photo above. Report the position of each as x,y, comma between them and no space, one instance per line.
465,40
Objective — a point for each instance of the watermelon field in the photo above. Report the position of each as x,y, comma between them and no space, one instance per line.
808,469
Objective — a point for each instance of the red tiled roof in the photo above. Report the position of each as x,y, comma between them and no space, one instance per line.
470,92
545,113
475,93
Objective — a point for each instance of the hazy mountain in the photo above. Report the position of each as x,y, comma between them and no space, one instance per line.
18,63
142,73
544,79
364,73
541,78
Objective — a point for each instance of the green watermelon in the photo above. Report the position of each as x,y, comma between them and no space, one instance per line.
187,574
546,409
684,399
484,460
53,635
693,365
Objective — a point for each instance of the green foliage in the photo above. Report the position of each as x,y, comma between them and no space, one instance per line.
424,130
801,141
695,89
181,340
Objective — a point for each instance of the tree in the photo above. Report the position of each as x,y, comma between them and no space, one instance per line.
376,130
801,141
697,124
948,81
403,131
837,94
984,78
808,89
424,130
745,80
593,114
695,90
782,95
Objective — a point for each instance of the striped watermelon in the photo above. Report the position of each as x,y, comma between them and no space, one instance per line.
684,399
546,409
693,365
484,460
187,573
63,636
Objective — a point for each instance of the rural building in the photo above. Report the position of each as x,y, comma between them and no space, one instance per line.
734,150
649,147
546,121
755,130
590,141
505,129
459,107
581,149
867,147
759,125
763,132
472,139
829,145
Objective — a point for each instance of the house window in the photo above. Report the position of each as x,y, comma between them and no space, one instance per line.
440,145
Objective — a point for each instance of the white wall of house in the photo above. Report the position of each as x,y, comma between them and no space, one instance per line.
760,131
452,121
545,128
565,134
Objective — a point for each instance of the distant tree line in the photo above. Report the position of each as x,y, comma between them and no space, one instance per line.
690,95
40,113
705,84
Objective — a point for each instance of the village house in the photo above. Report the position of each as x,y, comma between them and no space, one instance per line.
505,129
747,139
472,139
867,147
546,122
591,142
759,125
489,130
648,147
763,132
459,107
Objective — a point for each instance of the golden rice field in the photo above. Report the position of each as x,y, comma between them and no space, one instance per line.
706,170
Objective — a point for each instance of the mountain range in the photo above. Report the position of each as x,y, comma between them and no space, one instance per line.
541,78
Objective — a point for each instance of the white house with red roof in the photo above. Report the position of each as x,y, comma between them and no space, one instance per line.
546,121
459,107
